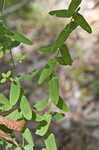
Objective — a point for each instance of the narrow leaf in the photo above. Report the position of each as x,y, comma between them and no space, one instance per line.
21,38
61,105
29,75
41,105
25,108
47,71
66,55
28,136
14,92
80,20
50,142
57,116
60,13
64,34
3,99
44,125
54,90
73,6
49,48
15,115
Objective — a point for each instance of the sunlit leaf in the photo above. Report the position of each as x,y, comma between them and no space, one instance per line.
47,71
28,136
25,108
44,125
54,90
15,115
41,105
50,142
57,116
14,92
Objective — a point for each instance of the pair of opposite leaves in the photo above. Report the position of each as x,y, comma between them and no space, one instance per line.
11,124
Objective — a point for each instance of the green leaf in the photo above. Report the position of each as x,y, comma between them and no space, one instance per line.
14,92
3,99
50,142
44,149
66,55
49,48
57,116
1,53
3,80
29,75
42,104
8,74
61,105
47,71
21,38
18,148
64,34
73,6
28,147
28,136
37,117
54,90
44,125
80,20
60,60
25,108
15,115
6,107
60,13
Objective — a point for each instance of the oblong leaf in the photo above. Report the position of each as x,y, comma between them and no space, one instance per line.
54,90
3,99
15,115
60,13
64,34
28,136
57,116
14,92
25,108
50,142
47,71
28,75
80,20
41,105
49,48
21,38
62,105
66,55
73,6
44,125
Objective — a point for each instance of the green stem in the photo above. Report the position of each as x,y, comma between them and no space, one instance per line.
3,5
13,63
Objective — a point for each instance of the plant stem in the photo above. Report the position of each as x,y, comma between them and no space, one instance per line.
13,63
3,5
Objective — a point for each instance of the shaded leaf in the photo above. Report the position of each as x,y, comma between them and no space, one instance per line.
66,55
80,20
60,13
49,48
73,6
61,105
21,38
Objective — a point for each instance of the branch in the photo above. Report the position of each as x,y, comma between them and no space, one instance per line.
16,7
